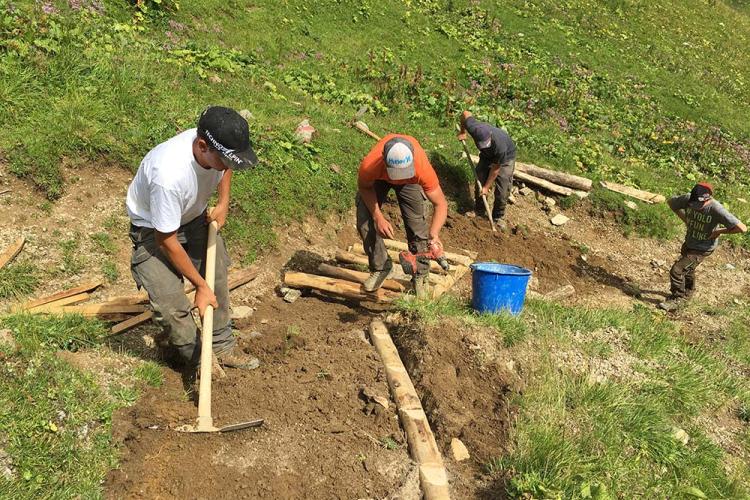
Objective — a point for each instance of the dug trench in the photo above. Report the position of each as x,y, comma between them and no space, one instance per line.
322,438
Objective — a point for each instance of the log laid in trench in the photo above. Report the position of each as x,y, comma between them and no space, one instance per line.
335,286
361,260
452,257
422,445
559,178
357,276
434,266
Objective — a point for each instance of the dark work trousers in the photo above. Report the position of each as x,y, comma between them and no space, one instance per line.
411,201
503,183
153,271
682,274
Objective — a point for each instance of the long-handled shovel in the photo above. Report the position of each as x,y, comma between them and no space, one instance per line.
205,422
479,185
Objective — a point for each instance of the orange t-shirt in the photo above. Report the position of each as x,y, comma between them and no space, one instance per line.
373,166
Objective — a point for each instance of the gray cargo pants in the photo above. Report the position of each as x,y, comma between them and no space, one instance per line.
503,183
153,271
682,274
411,200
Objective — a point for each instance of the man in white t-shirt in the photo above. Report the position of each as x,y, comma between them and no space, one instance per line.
167,202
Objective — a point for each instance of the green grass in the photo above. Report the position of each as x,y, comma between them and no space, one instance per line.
579,436
18,280
56,420
636,92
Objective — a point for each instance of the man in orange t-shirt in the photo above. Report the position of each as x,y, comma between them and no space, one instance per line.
398,162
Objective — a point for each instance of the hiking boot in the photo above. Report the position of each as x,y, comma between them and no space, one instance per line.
235,358
501,225
421,285
672,303
376,278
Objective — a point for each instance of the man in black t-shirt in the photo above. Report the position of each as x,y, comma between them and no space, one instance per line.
497,159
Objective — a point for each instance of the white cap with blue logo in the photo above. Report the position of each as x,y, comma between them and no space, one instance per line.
398,154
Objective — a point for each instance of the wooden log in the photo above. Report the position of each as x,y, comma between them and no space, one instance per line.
132,322
335,286
92,309
434,266
422,446
541,183
538,182
555,176
352,258
453,258
86,287
65,301
127,300
241,277
638,194
357,276
10,253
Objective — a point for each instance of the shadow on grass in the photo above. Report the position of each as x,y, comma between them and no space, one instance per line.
455,180
605,277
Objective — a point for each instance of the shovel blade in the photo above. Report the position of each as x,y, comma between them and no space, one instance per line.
242,425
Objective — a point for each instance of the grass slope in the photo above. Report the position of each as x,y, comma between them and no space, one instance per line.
650,93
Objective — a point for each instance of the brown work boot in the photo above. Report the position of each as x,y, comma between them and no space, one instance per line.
235,358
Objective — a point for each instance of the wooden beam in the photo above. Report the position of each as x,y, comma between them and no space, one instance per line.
132,322
452,257
638,194
555,176
357,276
242,276
335,286
92,309
422,446
541,183
10,253
86,287
65,301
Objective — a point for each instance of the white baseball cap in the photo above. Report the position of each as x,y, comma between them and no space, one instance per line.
398,154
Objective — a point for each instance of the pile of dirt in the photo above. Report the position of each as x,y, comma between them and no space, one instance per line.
464,393
320,439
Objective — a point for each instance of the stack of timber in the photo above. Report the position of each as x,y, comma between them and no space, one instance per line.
347,282
126,311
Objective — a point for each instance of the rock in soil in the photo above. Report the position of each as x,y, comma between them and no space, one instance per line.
559,220
292,295
458,450
526,191
242,312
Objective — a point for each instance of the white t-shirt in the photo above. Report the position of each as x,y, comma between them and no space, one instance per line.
170,187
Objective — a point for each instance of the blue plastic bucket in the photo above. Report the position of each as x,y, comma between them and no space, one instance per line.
498,287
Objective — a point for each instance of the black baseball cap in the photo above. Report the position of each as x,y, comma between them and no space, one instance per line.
480,132
228,133
701,193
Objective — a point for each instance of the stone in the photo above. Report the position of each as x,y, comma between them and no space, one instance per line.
631,205
549,202
657,263
561,293
559,220
241,312
680,435
254,335
214,79
512,199
729,267
458,450
247,115
335,168
526,191
304,132
264,322
534,283
292,295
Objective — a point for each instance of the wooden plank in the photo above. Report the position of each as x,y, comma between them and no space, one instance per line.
452,257
555,176
86,287
132,322
92,309
10,253
357,277
638,194
338,287
73,299
422,446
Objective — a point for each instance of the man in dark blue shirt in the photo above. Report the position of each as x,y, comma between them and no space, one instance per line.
497,160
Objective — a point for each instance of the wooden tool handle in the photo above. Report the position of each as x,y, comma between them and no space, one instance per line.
207,334
479,184
365,130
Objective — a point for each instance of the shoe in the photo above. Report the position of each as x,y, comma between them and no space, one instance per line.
672,303
421,285
376,278
501,225
235,358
